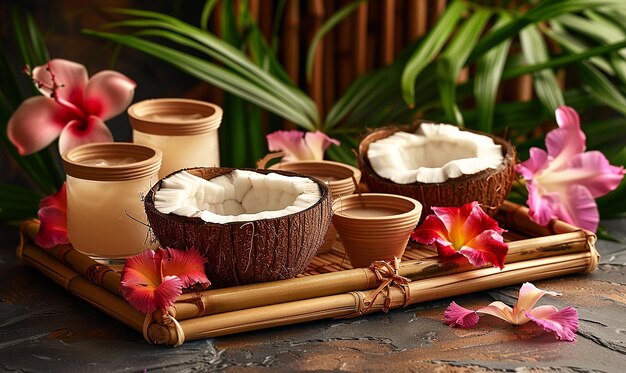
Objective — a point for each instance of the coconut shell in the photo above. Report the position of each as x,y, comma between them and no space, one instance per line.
489,187
248,252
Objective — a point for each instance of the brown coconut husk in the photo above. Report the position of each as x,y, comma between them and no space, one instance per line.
489,187
247,252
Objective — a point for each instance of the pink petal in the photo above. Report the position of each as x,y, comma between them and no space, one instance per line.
537,162
593,171
529,295
541,207
78,132
36,123
292,143
71,76
145,299
578,207
431,230
501,311
187,265
53,216
477,221
567,140
563,323
486,248
318,142
108,94
456,315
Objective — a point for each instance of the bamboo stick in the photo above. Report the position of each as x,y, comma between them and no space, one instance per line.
190,305
353,303
77,284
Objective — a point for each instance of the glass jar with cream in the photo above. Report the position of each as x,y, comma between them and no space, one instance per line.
186,131
106,183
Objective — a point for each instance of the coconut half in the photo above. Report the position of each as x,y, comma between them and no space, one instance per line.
439,165
251,225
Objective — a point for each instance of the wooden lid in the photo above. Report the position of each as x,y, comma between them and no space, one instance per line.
174,117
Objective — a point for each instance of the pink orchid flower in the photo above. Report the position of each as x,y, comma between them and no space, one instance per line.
563,323
564,181
300,146
154,279
466,231
53,216
72,108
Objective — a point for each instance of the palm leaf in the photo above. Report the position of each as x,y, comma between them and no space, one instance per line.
535,51
601,87
209,72
428,49
488,74
452,60
226,54
544,10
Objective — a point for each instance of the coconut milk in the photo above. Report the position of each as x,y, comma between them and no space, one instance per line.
368,212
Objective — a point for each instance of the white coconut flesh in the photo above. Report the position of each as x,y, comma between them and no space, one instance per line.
433,154
237,196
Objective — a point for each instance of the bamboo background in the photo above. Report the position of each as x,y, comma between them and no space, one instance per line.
371,37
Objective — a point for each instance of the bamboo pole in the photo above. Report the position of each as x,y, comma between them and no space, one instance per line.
353,303
389,22
316,85
360,48
418,18
190,305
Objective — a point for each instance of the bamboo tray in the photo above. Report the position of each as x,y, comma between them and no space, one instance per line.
329,288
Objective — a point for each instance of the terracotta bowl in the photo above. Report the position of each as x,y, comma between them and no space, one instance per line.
340,178
375,226
246,252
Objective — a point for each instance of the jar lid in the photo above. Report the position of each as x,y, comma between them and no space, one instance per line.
174,116
112,161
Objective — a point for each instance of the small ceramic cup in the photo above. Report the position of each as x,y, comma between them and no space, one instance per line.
375,226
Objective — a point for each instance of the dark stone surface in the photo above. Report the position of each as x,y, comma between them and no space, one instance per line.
45,329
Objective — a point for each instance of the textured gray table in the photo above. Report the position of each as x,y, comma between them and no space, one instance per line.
45,329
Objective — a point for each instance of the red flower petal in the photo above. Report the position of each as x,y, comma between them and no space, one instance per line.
142,284
187,265
456,315
487,247
147,299
478,221
431,230
53,216
563,323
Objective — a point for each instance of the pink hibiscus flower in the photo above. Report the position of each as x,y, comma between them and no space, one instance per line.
563,323
300,146
466,231
154,279
72,108
564,181
53,216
